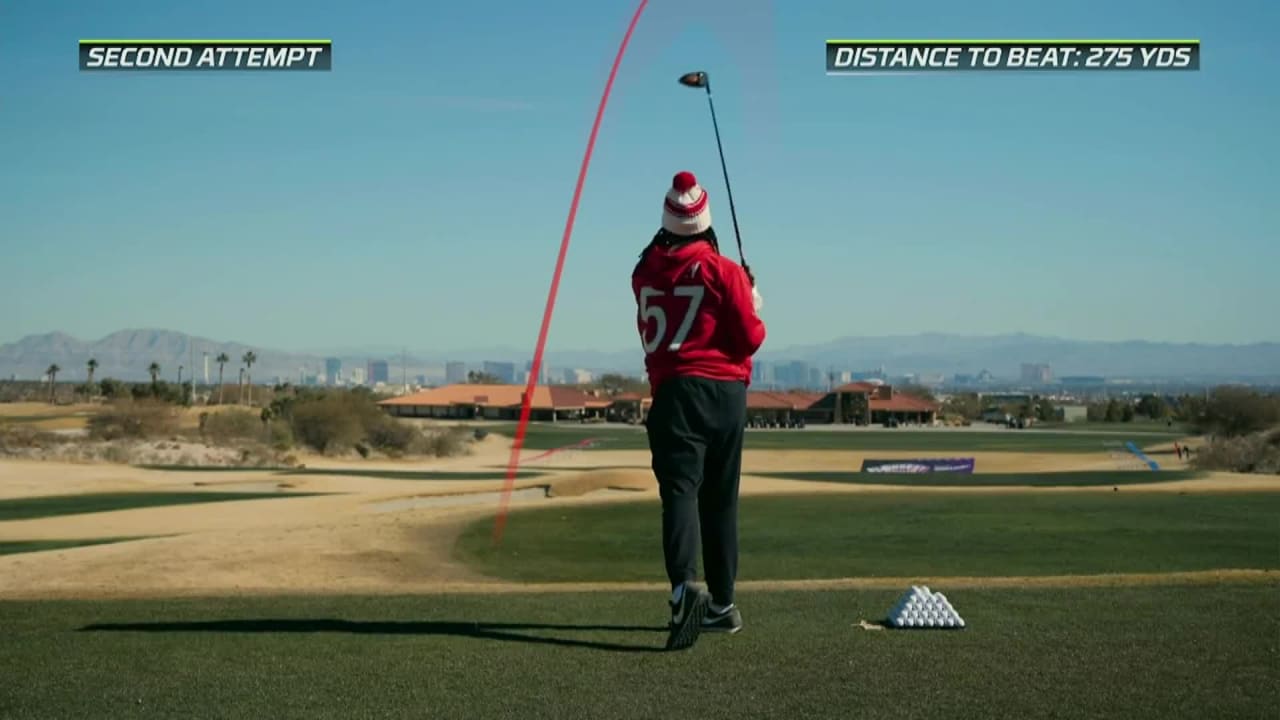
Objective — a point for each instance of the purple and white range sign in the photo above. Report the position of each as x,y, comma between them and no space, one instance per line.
929,465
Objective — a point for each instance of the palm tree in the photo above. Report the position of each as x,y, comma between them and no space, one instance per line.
222,361
249,359
92,365
179,375
154,369
52,372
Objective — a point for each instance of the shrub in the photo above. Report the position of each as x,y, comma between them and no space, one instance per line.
327,424
112,389
339,421
447,443
230,425
280,436
1237,411
1256,453
14,436
118,454
394,437
134,420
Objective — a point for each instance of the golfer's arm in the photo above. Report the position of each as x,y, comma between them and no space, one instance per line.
748,327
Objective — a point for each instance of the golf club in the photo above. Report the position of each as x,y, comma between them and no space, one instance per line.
700,79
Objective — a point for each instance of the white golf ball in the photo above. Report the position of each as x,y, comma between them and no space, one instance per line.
959,622
931,623
899,622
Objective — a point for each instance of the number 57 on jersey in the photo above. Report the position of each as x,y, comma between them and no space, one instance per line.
654,305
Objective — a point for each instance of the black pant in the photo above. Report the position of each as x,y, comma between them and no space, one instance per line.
695,430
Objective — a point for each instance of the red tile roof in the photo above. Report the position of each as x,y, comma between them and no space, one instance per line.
769,400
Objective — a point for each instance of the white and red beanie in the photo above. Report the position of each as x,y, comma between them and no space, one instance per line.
685,211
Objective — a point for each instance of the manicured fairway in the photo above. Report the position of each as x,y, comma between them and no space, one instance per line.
1162,653
55,505
902,534
14,547
547,437
1048,479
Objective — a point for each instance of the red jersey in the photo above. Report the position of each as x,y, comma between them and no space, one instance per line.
695,314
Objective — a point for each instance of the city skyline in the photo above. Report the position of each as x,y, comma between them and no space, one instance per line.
401,370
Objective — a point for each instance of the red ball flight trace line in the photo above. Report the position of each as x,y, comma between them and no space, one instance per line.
535,369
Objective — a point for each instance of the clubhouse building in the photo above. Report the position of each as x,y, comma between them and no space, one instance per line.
852,404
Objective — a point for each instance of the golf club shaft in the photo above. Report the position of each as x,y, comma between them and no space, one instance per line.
732,211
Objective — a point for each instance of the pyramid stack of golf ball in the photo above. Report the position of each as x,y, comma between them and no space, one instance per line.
921,608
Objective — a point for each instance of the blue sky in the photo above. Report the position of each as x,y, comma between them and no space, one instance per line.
416,194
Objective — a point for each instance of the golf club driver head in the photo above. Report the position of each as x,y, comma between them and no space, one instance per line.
697,79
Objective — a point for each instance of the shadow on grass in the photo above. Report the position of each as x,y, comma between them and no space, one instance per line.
503,632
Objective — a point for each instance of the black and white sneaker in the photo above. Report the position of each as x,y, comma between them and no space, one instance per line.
728,620
687,616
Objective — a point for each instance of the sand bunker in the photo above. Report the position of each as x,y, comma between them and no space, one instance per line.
581,483
489,499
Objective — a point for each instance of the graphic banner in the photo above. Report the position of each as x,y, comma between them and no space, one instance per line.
929,465
184,55
913,56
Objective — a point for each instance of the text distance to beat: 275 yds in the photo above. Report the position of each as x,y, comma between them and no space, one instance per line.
854,56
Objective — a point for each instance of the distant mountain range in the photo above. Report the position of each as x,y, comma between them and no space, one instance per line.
126,354
1004,355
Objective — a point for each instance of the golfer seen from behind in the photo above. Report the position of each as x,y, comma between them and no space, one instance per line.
698,322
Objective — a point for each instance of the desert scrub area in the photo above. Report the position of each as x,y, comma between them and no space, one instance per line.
1242,431
152,431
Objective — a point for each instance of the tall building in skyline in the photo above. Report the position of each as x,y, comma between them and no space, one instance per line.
1037,373
816,380
455,373
863,375
379,372
505,372
332,370
542,372
574,376
357,376
795,375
